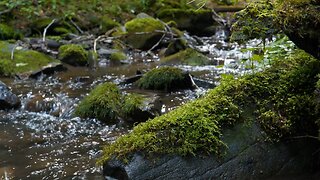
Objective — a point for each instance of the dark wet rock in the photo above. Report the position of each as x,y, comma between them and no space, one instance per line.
248,157
198,22
166,79
8,100
52,44
48,70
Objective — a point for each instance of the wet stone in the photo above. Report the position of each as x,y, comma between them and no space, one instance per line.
8,100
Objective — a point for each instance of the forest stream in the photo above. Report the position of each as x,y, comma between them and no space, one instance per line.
42,140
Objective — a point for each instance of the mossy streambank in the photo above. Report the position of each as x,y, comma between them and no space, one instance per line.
281,99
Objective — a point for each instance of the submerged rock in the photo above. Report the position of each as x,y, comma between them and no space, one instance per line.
8,100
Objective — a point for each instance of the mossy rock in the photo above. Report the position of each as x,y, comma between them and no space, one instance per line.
280,99
198,22
186,57
107,103
118,56
142,32
73,54
24,61
7,32
300,20
165,79
102,103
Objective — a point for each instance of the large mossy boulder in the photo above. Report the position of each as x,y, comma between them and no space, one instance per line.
8,100
186,57
198,22
73,54
165,79
144,33
300,20
278,103
107,103
23,62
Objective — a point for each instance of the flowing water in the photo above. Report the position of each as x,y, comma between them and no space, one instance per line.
42,140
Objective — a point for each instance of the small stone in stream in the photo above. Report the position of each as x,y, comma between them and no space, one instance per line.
8,100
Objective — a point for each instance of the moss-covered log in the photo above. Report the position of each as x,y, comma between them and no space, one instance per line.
280,99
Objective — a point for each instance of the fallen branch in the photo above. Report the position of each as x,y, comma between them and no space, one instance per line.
45,30
107,34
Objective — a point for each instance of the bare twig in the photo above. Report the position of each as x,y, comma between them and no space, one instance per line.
45,30
12,51
107,34
5,11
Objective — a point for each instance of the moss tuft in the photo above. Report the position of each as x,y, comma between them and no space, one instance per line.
164,78
102,103
73,54
281,98
7,32
118,56
107,103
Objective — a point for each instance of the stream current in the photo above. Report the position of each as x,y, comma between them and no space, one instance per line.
42,140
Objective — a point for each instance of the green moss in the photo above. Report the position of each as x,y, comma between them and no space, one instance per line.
7,32
107,24
298,15
187,57
280,99
24,60
118,56
191,20
255,21
102,103
163,78
107,103
73,54
142,32
131,104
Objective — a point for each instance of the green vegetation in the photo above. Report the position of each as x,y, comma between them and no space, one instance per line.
102,103
194,21
107,103
255,21
142,32
73,54
7,32
23,61
164,78
281,99
187,57
118,56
